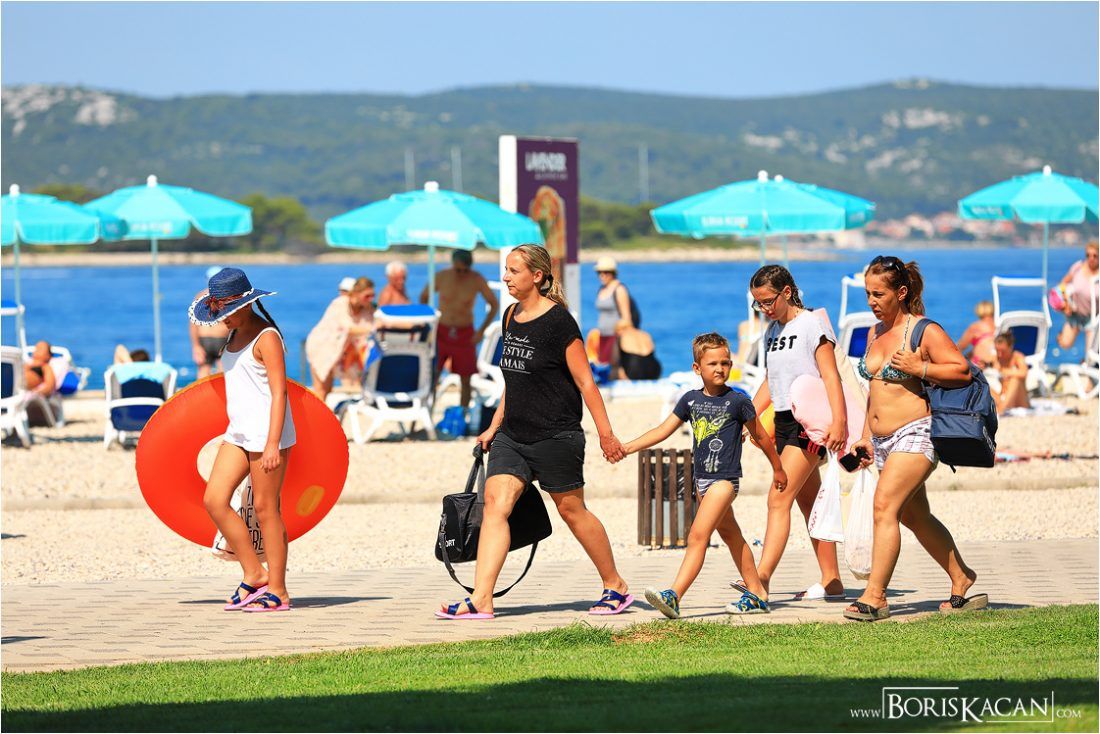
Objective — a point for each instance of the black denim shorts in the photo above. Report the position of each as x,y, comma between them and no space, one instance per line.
557,462
789,432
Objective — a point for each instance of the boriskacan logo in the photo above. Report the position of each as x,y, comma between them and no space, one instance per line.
947,702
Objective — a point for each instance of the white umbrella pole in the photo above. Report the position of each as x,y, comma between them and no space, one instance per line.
431,275
156,303
1046,240
20,327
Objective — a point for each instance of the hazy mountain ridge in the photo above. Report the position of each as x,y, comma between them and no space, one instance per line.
910,146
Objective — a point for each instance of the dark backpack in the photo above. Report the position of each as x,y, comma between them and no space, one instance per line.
964,419
635,314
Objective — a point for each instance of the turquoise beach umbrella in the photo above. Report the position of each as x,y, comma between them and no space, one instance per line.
1045,197
36,219
154,212
431,218
763,207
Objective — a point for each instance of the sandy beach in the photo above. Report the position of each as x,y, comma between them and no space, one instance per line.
73,511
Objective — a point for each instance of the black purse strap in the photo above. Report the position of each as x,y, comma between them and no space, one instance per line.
502,592
477,477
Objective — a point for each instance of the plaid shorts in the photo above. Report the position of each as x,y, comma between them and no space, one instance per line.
912,438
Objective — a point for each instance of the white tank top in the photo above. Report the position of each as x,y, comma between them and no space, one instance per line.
248,400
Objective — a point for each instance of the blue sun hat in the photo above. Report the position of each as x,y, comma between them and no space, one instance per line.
228,291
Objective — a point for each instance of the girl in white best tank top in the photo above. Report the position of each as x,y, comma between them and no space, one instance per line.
258,439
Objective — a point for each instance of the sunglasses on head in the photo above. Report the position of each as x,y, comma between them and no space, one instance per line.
889,261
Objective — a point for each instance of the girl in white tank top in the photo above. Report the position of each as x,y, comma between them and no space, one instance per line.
257,440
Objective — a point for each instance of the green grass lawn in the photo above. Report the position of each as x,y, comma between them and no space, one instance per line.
650,677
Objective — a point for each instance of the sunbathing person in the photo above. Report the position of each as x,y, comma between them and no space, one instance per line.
1012,370
978,337
38,375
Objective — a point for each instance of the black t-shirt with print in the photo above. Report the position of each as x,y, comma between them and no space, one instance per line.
541,399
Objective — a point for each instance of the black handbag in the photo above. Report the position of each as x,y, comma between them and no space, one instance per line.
460,523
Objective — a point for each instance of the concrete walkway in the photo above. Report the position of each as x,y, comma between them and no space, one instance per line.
51,627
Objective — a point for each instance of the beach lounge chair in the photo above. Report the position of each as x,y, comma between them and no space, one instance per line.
133,392
13,398
397,387
1030,328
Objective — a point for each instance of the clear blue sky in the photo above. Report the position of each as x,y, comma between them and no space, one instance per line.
723,50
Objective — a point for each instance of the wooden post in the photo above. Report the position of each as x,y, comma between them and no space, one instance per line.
659,499
643,499
690,503
674,538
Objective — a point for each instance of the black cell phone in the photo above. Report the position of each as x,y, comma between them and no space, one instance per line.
850,462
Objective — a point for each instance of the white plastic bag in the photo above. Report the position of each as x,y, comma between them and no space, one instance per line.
826,520
242,503
859,533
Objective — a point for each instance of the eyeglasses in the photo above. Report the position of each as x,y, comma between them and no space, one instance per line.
759,306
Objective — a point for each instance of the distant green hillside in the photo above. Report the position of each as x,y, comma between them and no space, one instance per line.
909,146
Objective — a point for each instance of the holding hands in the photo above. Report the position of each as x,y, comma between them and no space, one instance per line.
613,449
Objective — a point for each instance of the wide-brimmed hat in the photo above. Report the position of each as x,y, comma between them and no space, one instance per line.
228,291
607,265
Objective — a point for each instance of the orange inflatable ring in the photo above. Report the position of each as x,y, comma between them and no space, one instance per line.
168,450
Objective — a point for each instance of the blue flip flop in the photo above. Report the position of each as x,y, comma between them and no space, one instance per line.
612,602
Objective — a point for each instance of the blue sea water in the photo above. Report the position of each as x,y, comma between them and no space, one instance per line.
91,309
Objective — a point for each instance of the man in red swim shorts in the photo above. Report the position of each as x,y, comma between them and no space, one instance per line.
456,346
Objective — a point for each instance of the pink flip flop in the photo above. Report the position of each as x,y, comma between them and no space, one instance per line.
613,603
238,602
270,603
452,612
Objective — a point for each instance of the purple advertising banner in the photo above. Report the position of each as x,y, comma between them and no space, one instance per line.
548,191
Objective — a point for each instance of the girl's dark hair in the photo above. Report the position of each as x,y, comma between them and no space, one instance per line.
270,320
897,274
777,278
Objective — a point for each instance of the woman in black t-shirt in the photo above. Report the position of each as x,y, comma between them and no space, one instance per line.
536,432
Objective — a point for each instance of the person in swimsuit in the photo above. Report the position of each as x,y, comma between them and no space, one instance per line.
898,434
257,440
1012,370
393,294
207,342
796,342
978,337
613,313
38,375
637,356
1081,303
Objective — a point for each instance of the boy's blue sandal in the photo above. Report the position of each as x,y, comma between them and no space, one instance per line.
612,602
666,602
749,603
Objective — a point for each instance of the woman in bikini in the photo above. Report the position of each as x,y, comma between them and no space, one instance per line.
898,434
978,337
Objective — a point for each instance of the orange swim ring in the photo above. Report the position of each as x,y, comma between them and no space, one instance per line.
168,450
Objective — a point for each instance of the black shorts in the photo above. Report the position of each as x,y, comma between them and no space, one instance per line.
557,462
211,349
789,432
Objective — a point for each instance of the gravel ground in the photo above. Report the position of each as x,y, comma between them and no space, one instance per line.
73,511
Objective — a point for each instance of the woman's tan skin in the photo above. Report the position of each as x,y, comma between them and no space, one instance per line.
1012,369
47,383
357,301
801,467
982,352
267,469
901,495
1068,335
502,491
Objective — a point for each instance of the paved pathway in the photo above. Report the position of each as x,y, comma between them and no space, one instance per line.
57,626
